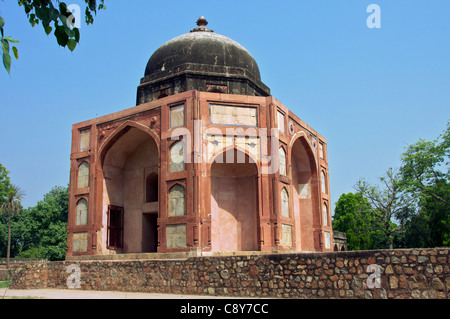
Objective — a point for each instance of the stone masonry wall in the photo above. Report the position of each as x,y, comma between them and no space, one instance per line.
411,273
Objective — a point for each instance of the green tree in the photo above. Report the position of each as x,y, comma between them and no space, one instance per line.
426,168
411,206
11,207
430,227
53,15
45,226
5,189
391,205
352,216
425,174
16,235
5,184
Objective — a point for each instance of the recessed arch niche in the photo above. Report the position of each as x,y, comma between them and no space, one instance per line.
127,160
234,202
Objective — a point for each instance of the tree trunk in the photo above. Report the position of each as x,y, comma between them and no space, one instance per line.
9,241
391,242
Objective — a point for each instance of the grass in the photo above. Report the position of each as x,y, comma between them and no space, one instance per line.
4,284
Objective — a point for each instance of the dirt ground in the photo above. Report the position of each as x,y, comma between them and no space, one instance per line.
84,294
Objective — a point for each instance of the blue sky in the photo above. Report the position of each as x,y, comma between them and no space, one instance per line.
369,92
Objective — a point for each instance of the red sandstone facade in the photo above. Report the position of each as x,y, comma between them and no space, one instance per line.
260,224
198,172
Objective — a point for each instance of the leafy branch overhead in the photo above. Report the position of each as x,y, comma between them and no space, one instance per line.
54,17
6,57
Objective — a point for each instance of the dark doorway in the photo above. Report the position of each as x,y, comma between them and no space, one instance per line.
149,233
151,188
115,227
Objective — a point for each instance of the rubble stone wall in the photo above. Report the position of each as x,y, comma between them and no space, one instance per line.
408,273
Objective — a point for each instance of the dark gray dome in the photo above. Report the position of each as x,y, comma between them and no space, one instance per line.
200,60
203,47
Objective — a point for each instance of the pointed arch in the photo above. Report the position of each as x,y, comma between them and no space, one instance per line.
284,202
177,157
119,132
83,175
239,157
306,192
282,160
325,214
82,212
177,200
323,182
307,144
126,158
234,202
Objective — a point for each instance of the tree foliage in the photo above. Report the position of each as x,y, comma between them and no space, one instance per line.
5,189
6,40
11,207
425,174
352,216
44,226
35,232
391,206
54,17
409,208
5,184
430,226
426,169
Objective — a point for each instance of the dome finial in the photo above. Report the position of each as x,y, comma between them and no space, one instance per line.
202,23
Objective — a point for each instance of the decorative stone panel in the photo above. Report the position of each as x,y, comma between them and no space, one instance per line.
176,236
80,242
234,115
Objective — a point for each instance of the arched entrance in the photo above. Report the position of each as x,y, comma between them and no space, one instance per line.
130,208
305,193
234,202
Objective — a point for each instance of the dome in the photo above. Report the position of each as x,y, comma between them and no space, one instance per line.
202,47
208,59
